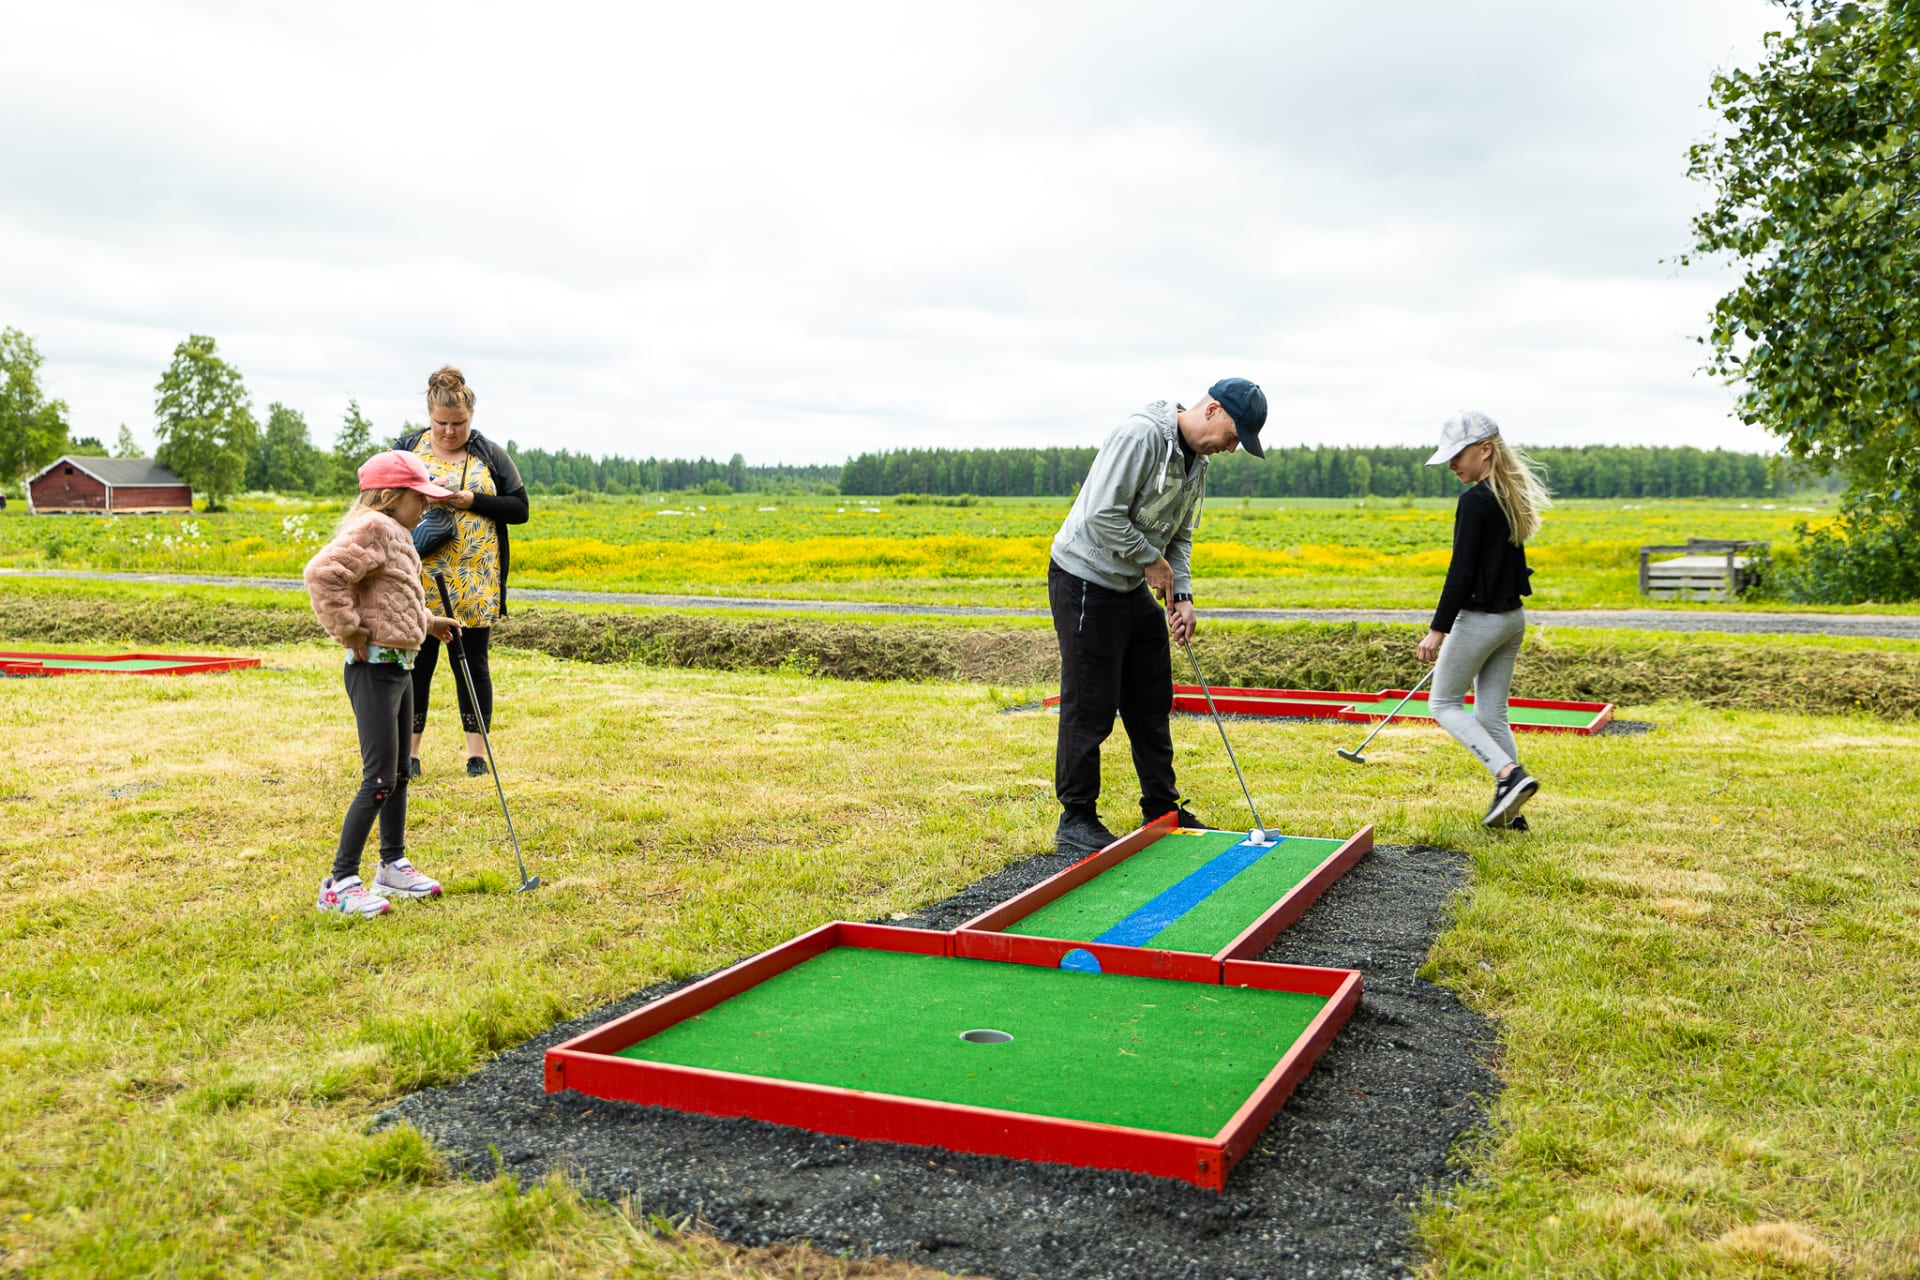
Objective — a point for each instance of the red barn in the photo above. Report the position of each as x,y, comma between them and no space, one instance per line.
107,486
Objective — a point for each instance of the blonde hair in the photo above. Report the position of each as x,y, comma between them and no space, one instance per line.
447,389
381,500
1519,488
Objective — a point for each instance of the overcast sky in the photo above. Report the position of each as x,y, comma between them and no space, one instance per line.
803,231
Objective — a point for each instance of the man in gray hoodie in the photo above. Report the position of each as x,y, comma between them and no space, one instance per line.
1128,539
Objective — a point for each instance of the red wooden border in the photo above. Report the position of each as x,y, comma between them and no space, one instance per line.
586,1064
1257,936
1138,962
1238,1135
31,664
1254,939
1602,713
1025,904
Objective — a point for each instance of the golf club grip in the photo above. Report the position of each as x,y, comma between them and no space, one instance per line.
446,603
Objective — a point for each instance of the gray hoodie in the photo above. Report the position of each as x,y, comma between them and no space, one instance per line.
1138,503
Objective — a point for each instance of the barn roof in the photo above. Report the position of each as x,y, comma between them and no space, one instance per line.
114,471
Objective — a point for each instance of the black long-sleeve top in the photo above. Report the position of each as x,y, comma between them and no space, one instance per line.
1488,573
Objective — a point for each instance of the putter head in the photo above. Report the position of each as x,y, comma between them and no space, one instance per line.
529,885
1354,756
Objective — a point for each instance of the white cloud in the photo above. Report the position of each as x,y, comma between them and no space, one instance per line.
803,231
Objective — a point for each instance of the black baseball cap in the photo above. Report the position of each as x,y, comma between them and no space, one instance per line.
1246,404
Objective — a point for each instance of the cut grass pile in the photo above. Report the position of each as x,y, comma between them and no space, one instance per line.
1704,963
1760,672
1301,552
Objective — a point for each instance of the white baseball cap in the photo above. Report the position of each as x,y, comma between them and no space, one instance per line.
1469,426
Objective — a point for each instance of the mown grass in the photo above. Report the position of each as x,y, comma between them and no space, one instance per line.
1295,552
1704,964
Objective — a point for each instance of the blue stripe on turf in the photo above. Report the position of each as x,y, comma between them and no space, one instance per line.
1162,910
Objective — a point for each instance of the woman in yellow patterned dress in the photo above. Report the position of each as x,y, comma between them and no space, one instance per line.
488,496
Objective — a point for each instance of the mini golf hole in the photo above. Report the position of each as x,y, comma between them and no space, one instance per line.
985,1036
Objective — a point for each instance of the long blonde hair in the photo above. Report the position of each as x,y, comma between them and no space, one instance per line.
1520,489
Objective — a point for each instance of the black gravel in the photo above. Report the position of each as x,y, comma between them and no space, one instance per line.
1328,1190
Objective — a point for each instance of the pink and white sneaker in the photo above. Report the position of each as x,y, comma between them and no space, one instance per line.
400,880
350,898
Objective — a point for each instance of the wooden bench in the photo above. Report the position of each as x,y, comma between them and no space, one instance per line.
1703,569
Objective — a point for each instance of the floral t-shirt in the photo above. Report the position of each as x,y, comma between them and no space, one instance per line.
471,561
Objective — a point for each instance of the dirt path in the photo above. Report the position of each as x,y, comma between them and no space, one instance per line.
1884,626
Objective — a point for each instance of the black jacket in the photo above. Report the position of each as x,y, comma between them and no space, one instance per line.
509,506
1488,573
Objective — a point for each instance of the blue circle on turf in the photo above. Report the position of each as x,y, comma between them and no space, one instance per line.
1081,960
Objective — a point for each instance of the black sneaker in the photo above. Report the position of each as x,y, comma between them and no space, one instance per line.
1080,834
476,767
1509,794
413,766
1518,822
1186,818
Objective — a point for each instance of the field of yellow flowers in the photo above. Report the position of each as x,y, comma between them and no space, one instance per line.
1386,553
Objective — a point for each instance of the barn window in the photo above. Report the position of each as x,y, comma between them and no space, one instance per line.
68,471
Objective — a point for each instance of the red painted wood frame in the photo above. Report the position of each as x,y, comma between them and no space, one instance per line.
1602,712
587,1064
1317,705
1254,939
33,664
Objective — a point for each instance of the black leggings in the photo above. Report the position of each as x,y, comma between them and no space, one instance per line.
382,698
474,641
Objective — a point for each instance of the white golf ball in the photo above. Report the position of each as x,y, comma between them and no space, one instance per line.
1257,836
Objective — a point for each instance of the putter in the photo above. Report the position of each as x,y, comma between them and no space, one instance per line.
527,883
1354,755
1259,833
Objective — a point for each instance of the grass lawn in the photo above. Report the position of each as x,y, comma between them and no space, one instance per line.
1705,963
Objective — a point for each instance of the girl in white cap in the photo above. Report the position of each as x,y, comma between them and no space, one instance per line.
1479,624
365,586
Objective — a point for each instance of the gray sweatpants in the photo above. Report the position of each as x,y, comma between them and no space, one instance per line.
1479,651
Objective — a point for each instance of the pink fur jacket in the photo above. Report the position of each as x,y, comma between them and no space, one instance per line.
365,584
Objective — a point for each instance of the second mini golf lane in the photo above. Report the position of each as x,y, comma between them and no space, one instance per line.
1173,1057
1187,891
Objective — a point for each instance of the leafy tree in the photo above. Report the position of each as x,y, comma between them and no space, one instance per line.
204,420
283,458
86,447
125,446
351,447
1816,187
33,429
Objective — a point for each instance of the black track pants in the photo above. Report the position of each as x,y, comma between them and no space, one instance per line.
382,698
474,641
1114,657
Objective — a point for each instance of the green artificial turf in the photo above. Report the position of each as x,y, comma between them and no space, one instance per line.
1085,913
100,664
1174,1057
1515,715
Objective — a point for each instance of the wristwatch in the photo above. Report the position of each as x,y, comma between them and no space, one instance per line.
1183,597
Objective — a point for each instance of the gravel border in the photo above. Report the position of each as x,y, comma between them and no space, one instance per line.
1328,1190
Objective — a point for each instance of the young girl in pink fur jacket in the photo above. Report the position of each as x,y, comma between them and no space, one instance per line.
365,586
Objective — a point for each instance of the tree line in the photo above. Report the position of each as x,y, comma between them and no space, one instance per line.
1327,471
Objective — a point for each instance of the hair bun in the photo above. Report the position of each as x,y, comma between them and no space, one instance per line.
445,378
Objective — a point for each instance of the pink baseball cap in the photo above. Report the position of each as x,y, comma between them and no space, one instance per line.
397,469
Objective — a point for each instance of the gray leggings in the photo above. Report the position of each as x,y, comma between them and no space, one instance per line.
1479,651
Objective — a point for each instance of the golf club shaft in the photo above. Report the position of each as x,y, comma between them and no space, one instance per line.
473,700
1396,711
1221,726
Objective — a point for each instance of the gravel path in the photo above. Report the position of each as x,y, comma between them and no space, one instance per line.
1328,1191
1883,626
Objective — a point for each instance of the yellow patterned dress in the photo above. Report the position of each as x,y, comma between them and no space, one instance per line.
471,561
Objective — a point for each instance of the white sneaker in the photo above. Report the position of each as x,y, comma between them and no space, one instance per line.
350,898
400,880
